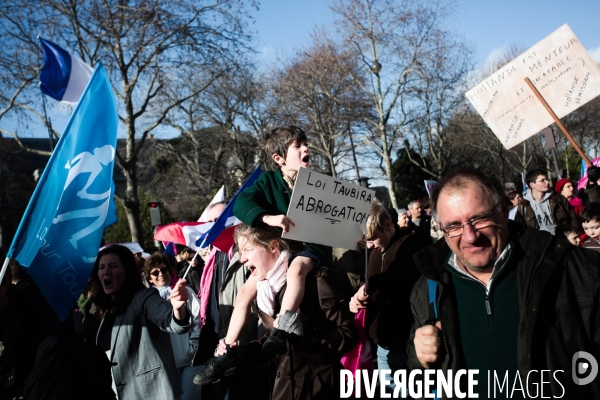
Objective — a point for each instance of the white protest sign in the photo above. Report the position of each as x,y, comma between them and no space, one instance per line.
328,211
561,70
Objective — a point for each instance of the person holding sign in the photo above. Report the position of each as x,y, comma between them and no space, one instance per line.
391,275
543,209
267,202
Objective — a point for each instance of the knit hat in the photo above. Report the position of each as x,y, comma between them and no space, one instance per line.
559,185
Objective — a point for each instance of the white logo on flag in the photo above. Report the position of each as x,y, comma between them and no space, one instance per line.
87,162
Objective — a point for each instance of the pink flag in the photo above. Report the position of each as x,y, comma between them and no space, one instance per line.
360,357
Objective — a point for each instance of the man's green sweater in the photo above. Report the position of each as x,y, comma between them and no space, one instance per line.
486,318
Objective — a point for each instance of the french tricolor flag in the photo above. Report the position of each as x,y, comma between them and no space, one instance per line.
63,76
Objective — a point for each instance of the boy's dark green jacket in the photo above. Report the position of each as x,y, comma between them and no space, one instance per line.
271,195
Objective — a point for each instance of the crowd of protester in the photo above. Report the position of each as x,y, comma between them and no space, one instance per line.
516,279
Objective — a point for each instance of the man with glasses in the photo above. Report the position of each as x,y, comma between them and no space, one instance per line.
513,302
543,209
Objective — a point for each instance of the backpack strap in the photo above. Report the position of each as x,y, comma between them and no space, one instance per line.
433,312
432,297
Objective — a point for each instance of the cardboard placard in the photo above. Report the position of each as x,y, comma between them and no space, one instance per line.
561,70
328,211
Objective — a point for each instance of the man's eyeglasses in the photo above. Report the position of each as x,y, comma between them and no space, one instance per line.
542,180
476,223
163,271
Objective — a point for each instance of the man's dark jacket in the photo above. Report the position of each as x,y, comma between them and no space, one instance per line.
559,290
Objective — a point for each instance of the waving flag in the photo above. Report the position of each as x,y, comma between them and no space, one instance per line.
220,196
186,233
227,219
60,233
63,76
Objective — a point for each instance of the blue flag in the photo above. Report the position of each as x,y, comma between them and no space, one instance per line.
60,233
170,248
63,76
226,219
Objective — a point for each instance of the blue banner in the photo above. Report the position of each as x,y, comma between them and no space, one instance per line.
60,233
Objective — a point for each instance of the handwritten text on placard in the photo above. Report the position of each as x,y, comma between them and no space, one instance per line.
328,211
561,70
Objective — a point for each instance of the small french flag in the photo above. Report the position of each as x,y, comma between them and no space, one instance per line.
63,76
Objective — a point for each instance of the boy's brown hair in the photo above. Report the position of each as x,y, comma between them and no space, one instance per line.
563,231
377,218
590,212
278,140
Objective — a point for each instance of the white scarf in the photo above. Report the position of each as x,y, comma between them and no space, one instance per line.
272,284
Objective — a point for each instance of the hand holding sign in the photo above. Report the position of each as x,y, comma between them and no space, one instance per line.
328,211
279,221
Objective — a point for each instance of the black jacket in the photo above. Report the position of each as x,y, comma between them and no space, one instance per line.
392,276
559,290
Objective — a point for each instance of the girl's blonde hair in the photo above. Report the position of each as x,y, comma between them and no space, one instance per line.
262,235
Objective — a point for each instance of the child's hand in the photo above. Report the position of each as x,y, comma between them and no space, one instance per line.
281,221
359,300
361,243
222,347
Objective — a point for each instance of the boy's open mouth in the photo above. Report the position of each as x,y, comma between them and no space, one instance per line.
306,158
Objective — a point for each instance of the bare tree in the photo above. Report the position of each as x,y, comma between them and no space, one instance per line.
315,90
146,47
216,149
388,38
439,95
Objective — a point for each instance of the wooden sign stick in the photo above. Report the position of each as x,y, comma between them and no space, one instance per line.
560,125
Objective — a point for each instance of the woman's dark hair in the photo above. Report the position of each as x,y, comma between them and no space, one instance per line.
512,193
132,285
154,261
